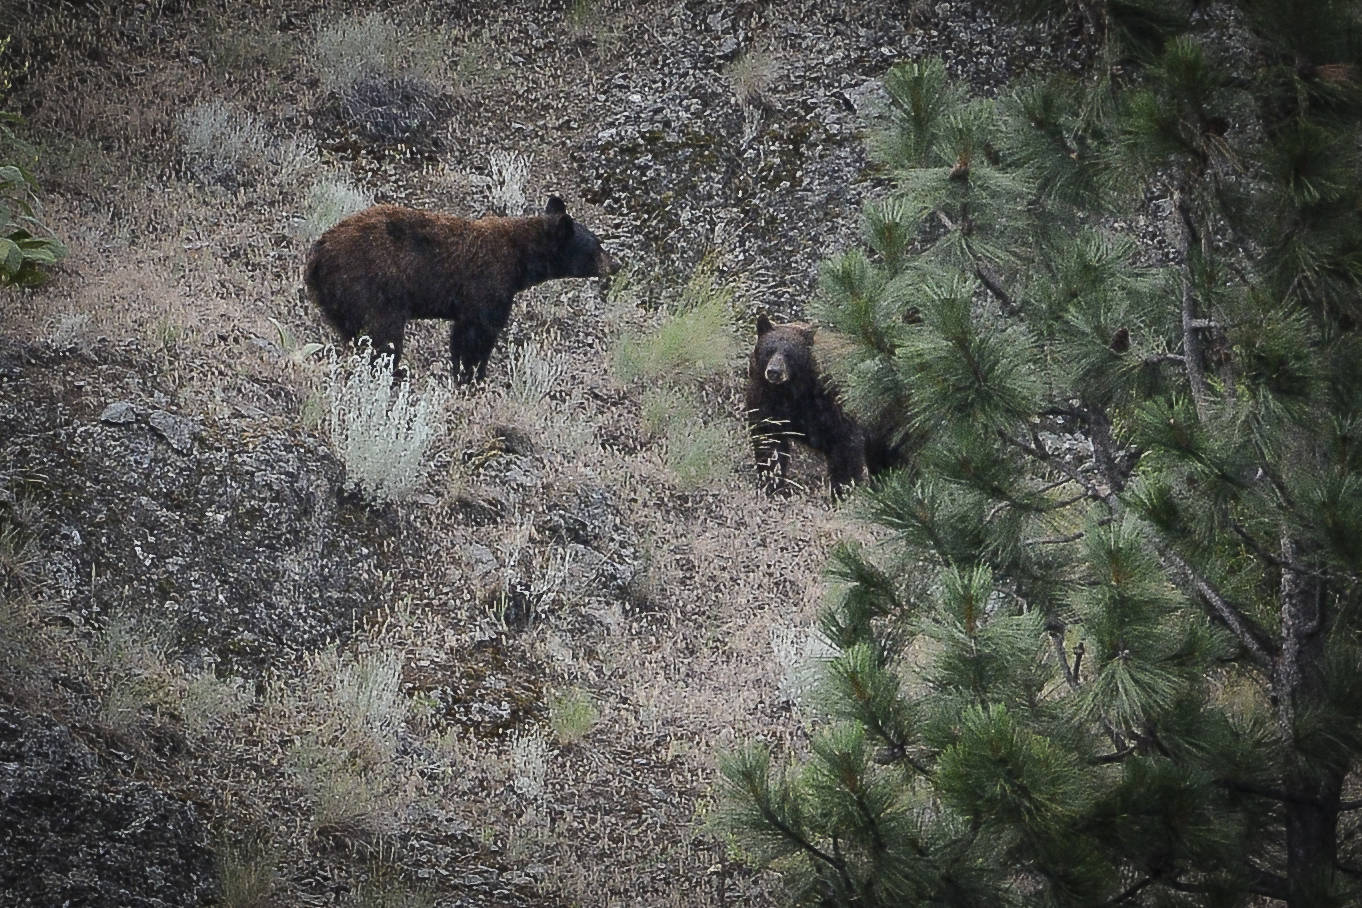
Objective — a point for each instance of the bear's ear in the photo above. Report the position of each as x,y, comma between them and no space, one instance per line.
555,206
763,324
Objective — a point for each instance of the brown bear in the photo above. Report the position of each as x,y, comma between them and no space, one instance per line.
789,397
376,270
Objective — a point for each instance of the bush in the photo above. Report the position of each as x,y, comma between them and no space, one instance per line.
510,171
219,140
365,66
331,201
695,343
381,431
26,246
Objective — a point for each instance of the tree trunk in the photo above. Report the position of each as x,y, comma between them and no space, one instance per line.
1311,785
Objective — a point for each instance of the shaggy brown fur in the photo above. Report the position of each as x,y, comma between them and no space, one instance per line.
788,396
374,271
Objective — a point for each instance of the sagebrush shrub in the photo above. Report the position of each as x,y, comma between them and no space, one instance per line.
331,200
510,172
536,370
350,50
220,139
380,430
365,65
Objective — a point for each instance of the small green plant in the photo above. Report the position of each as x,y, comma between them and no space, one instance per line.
751,76
380,430
368,700
581,15
695,343
294,349
665,407
699,454
572,715
129,663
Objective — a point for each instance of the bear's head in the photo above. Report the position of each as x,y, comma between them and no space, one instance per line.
577,251
784,355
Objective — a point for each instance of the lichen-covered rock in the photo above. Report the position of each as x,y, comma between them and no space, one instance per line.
238,541
72,832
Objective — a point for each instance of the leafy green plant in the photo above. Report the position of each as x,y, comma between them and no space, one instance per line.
695,343
27,248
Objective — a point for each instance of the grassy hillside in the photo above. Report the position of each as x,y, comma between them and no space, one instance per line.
225,679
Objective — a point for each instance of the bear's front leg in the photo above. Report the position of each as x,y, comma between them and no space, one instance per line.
771,447
846,465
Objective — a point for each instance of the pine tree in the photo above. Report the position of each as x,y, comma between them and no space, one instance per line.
1107,649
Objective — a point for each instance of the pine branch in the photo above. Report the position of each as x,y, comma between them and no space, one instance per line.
1254,638
1070,674
1006,303
1191,342
1287,797
1251,636
1132,891
839,865
1055,540
986,276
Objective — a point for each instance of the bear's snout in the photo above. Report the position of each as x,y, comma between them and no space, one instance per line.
777,372
608,264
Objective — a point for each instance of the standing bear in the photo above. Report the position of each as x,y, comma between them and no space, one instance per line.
376,270
789,397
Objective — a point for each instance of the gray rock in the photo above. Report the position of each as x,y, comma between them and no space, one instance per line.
79,833
176,430
118,413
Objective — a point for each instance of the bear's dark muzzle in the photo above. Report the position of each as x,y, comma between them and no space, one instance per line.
776,373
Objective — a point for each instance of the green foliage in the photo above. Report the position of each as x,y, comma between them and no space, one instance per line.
26,247
1106,650
572,715
694,343
682,359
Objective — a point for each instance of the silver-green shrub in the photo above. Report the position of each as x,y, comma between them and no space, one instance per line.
350,50
380,429
220,139
332,199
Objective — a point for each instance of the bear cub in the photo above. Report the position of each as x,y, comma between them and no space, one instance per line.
789,397
378,269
